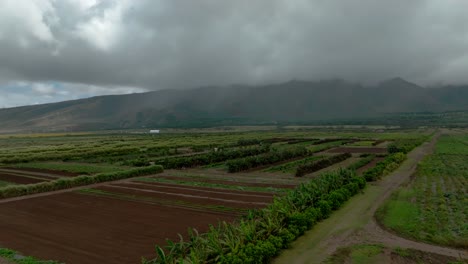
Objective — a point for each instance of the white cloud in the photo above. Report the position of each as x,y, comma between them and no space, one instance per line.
103,30
25,19
43,89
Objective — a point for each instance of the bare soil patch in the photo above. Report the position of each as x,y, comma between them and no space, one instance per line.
190,197
161,184
76,228
231,182
18,179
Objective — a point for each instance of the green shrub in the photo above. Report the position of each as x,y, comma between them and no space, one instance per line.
320,164
389,164
212,157
265,159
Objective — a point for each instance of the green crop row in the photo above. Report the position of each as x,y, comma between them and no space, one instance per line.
212,157
65,183
389,164
361,163
264,232
265,159
405,145
320,164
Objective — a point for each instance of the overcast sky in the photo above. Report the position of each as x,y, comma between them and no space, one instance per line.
52,50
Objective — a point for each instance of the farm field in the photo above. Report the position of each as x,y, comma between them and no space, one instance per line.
126,218
433,207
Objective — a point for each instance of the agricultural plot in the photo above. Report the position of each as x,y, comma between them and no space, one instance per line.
434,206
130,217
19,176
125,219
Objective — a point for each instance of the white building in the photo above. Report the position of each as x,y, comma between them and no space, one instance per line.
154,131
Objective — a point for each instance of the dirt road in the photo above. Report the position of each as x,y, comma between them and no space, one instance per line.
354,223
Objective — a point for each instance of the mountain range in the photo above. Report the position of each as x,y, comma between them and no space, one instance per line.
290,102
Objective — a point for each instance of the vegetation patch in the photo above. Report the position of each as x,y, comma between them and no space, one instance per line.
389,164
320,164
64,183
362,162
290,167
264,232
87,169
266,159
434,207
16,257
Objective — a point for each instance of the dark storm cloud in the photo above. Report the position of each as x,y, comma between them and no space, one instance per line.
183,43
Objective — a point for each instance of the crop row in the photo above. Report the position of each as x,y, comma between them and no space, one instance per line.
264,232
212,157
265,159
405,145
389,164
362,162
320,164
70,182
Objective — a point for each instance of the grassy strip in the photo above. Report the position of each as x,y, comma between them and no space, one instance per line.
361,253
16,257
130,197
213,185
320,164
378,253
265,159
389,164
361,163
264,232
290,167
65,183
70,167
4,184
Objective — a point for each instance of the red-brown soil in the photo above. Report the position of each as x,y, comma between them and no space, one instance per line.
373,150
197,190
44,171
190,198
17,179
75,228
205,188
237,183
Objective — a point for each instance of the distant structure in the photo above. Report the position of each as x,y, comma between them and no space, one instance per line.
154,131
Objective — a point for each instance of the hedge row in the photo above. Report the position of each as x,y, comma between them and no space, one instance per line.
405,145
265,159
362,162
264,232
65,183
320,164
389,164
212,157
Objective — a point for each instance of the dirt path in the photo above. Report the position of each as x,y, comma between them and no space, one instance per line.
354,223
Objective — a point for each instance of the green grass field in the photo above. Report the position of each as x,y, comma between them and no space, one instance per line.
434,207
